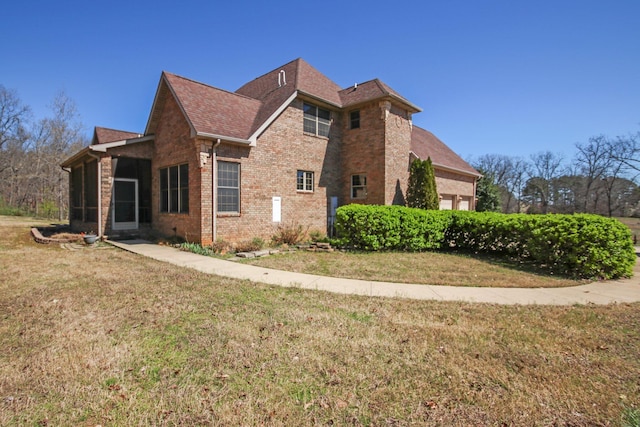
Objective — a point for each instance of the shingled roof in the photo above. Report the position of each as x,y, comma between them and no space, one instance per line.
373,89
244,113
424,144
103,135
275,87
208,110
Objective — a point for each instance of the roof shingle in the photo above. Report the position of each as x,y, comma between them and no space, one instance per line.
212,110
425,144
368,91
103,135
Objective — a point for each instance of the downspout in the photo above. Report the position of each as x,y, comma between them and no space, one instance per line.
214,182
475,193
95,156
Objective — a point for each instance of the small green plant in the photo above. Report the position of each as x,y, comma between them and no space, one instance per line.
196,248
317,236
631,417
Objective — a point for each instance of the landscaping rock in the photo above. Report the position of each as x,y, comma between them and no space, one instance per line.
245,255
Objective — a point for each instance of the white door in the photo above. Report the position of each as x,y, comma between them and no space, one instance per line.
125,204
463,205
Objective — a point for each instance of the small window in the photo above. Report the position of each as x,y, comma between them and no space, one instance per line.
354,119
304,181
358,186
316,120
174,189
228,187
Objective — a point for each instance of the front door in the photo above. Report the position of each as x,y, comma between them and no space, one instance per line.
125,204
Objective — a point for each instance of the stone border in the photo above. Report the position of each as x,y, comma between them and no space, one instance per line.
39,238
312,247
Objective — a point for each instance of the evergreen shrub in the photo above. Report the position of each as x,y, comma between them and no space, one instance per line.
582,245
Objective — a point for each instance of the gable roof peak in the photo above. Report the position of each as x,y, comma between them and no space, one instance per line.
102,135
371,90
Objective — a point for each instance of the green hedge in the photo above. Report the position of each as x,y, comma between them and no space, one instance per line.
374,227
587,246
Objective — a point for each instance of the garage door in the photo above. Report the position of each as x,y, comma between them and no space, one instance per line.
463,205
446,203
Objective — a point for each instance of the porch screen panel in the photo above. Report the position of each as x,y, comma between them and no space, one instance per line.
76,193
91,191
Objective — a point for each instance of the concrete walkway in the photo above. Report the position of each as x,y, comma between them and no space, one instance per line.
619,291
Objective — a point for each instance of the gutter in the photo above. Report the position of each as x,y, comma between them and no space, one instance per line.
214,179
452,169
231,139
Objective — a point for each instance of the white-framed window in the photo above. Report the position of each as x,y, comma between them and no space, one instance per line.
304,181
316,120
228,187
174,189
358,186
354,119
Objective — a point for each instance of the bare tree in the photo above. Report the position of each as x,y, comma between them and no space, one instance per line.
508,174
13,116
593,160
545,167
31,177
55,138
626,150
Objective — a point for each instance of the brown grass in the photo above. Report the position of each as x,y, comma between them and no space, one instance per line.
428,268
100,336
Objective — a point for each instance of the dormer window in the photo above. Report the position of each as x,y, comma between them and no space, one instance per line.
354,119
317,121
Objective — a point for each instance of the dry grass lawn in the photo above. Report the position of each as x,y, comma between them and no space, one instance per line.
99,336
429,268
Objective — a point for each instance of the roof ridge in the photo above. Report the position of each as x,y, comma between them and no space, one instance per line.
271,71
209,86
382,87
113,129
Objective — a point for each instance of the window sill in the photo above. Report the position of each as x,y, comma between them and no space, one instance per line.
316,136
228,214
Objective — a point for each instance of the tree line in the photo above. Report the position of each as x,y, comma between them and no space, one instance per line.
601,178
31,179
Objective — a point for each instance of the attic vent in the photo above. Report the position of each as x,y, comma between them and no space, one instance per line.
282,78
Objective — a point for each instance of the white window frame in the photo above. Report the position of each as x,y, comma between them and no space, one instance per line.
223,187
311,114
361,185
305,181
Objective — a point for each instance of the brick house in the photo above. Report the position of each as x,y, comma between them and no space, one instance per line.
284,149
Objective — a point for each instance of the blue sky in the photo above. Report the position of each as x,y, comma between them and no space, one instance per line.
496,76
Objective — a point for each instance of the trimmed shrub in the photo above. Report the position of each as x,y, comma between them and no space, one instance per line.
583,245
374,228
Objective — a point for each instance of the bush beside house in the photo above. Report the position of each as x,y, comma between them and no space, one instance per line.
584,246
